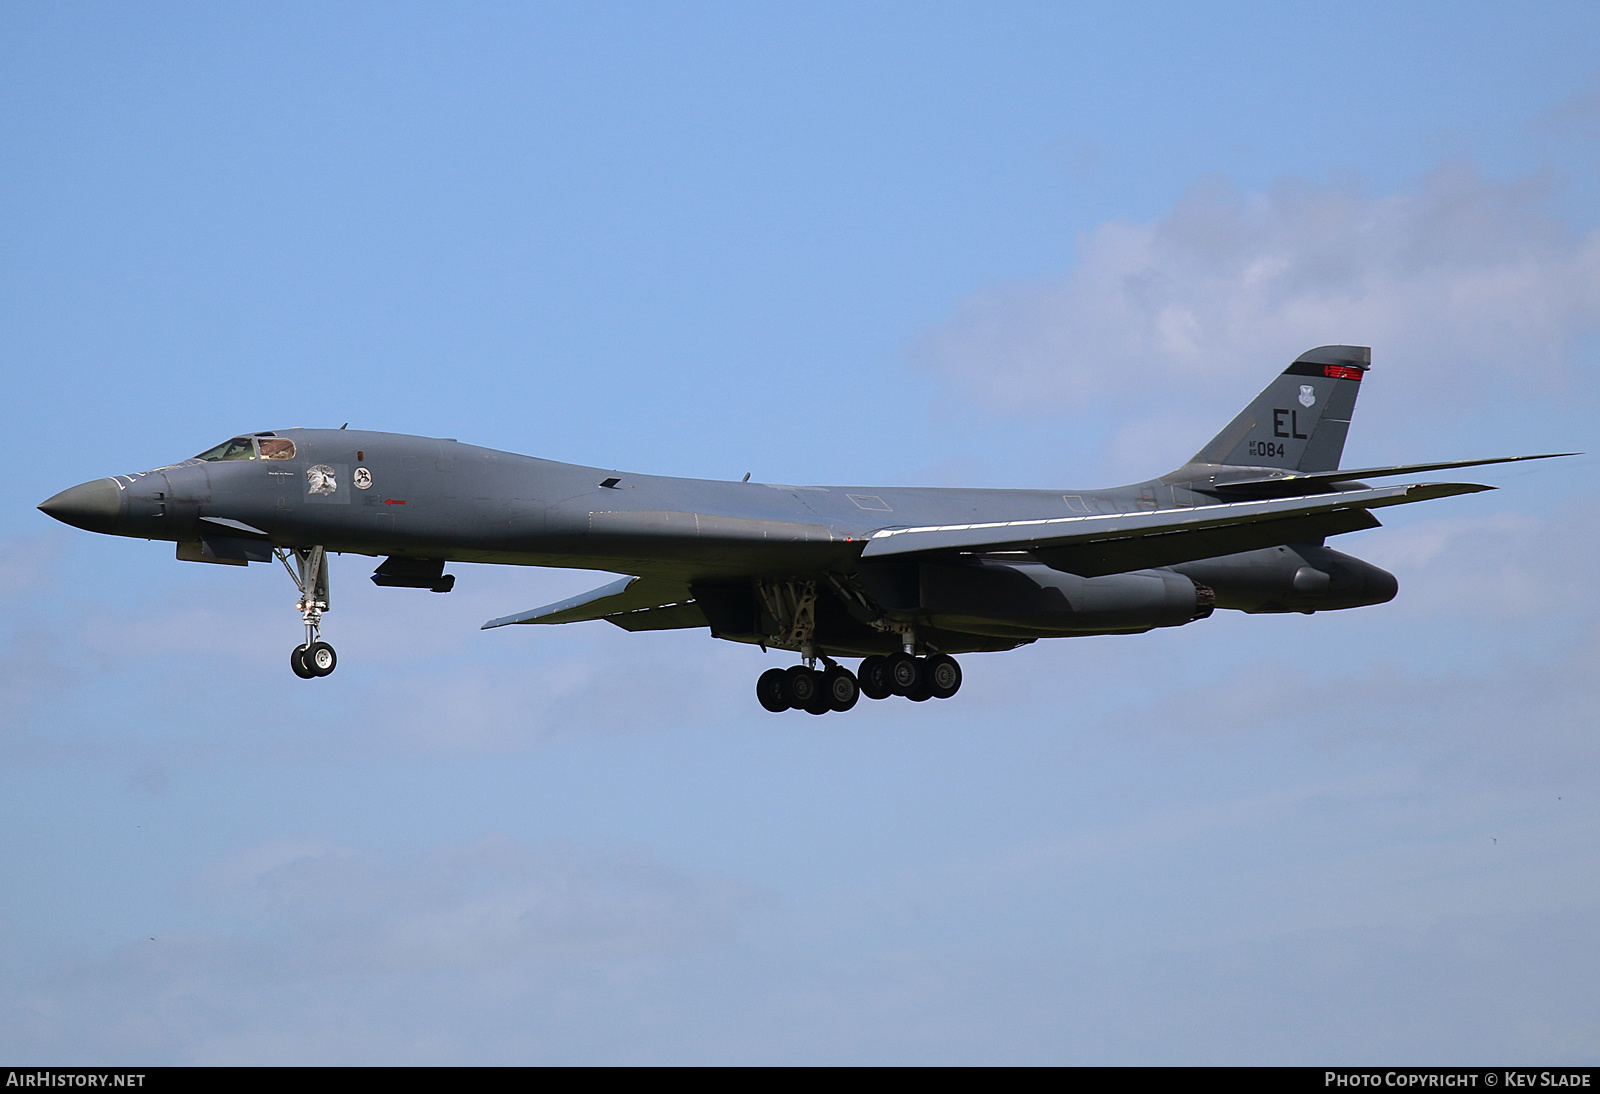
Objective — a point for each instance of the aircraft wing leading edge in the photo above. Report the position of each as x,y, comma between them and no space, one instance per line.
1120,542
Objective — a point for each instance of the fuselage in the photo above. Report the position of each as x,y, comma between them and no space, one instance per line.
396,494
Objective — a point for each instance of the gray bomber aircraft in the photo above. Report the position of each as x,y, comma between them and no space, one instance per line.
900,577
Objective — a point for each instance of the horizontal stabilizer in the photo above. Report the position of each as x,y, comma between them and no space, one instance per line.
1165,536
628,594
1300,482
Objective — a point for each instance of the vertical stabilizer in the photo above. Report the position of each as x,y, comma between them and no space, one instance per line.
1299,422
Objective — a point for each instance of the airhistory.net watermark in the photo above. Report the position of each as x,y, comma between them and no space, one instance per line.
48,1078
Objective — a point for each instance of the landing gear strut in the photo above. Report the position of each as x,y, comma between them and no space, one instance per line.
314,657
792,605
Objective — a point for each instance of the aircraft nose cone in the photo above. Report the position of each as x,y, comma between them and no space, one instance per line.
92,506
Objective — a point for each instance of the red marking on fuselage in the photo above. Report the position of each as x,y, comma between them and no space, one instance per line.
391,501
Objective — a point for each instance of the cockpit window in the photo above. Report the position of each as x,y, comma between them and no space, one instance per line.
240,448
275,448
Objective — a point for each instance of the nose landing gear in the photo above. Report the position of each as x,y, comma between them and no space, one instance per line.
314,657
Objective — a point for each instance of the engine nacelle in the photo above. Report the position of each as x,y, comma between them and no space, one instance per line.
1300,577
1026,599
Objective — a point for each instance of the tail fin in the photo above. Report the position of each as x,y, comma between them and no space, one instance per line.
1299,422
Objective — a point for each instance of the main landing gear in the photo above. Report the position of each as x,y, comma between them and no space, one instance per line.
804,688
314,657
837,688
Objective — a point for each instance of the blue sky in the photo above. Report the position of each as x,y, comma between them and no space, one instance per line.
943,244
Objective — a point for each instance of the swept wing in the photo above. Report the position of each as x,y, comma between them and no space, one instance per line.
1112,543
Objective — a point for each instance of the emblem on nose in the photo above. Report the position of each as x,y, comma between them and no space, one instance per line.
93,506
321,479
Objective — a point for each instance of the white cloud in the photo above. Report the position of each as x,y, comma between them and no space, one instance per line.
1462,286
1495,567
